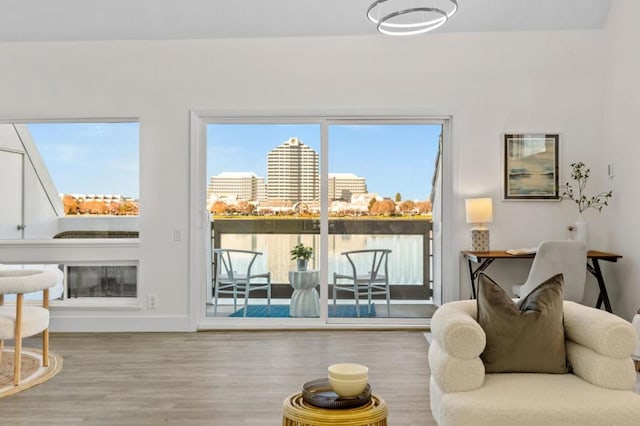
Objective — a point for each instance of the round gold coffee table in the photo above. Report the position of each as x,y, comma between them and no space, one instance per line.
297,412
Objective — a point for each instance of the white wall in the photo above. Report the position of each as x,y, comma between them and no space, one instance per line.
491,83
621,146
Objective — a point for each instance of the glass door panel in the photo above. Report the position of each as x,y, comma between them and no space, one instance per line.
263,196
379,188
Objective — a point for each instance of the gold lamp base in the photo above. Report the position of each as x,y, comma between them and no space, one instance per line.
479,239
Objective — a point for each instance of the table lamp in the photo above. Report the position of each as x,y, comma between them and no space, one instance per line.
479,211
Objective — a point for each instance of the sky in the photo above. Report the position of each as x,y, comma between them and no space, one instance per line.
91,158
103,158
392,158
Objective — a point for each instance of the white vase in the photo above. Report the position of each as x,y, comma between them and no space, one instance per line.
581,231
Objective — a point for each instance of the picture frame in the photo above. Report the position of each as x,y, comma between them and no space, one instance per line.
531,166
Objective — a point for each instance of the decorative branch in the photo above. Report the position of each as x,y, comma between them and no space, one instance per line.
580,173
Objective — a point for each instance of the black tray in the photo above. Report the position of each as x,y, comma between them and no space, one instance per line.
320,394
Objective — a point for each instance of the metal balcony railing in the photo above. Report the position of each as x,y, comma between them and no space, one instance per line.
413,260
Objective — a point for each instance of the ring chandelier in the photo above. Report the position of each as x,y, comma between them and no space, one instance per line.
410,17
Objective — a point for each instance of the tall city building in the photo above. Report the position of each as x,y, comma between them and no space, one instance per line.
238,185
292,172
343,185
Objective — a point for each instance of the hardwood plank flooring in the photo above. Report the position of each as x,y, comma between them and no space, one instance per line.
215,378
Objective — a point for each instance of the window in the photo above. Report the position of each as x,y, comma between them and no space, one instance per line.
74,180
62,170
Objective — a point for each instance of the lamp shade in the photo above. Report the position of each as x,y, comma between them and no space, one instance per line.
479,210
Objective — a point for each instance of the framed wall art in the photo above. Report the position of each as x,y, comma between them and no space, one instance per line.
531,166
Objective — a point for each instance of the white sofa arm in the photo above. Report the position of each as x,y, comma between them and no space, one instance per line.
454,374
456,330
601,370
600,331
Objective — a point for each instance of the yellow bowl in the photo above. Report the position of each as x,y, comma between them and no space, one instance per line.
348,388
346,371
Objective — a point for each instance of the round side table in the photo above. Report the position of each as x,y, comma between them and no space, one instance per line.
297,412
305,301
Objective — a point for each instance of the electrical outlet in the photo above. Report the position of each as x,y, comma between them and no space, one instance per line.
177,234
152,301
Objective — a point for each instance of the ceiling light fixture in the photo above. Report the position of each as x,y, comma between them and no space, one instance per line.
409,17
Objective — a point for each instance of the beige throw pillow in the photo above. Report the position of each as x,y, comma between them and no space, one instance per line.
527,337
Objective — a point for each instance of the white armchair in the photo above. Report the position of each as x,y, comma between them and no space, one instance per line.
21,321
598,391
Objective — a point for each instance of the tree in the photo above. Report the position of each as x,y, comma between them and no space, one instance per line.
218,208
70,205
115,208
424,206
94,207
372,203
398,197
407,206
130,208
384,208
245,208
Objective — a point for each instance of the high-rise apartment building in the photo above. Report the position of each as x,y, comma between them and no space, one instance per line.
343,185
238,185
292,172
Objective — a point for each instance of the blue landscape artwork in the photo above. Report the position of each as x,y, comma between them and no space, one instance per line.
531,166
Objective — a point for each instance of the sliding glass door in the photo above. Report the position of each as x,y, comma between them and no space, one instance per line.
357,193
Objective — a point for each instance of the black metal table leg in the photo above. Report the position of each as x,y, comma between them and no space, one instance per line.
471,279
473,274
603,296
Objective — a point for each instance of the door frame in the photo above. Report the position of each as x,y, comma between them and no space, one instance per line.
199,221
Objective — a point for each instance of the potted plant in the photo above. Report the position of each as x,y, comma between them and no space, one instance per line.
580,174
302,254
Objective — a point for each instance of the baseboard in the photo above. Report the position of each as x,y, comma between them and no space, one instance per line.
98,324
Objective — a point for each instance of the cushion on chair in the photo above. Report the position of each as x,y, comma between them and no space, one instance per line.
34,320
535,399
54,292
527,337
14,281
454,327
599,330
600,370
454,374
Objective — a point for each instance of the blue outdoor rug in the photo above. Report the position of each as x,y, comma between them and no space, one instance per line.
282,311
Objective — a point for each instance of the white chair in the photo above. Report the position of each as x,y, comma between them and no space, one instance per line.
598,391
374,281
21,321
227,280
552,257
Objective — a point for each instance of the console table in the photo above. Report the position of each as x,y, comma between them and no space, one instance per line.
484,259
305,301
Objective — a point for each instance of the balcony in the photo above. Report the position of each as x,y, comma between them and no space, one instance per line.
410,262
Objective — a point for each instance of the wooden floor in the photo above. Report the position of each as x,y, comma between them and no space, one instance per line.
215,378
